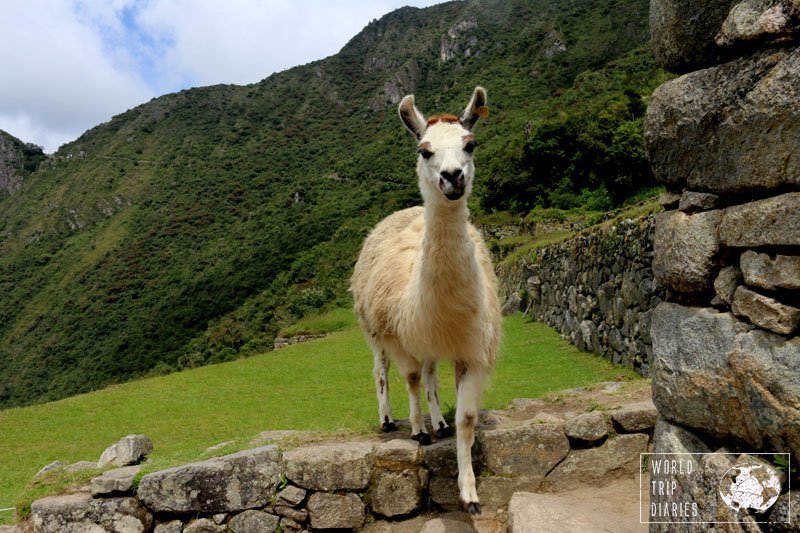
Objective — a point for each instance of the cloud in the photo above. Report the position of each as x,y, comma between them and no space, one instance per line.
76,64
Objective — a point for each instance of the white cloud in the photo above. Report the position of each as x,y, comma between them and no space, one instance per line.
71,65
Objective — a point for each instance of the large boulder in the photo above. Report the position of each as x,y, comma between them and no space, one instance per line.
395,493
334,511
234,482
761,270
682,32
729,129
771,222
331,466
722,376
766,312
79,513
760,21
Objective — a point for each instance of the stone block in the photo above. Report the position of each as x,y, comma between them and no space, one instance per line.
395,493
771,222
234,482
779,272
204,525
253,522
725,285
331,467
399,454
616,458
685,250
291,496
717,374
760,21
528,449
692,201
118,481
329,511
173,526
766,312
734,128
78,513
441,458
587,427
635,417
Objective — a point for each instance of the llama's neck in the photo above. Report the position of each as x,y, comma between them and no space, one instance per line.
447,269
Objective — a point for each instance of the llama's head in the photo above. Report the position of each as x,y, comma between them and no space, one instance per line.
445,145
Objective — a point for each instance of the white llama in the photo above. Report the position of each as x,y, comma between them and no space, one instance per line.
424,288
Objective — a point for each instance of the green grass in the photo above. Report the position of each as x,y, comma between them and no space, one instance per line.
329,322
323,385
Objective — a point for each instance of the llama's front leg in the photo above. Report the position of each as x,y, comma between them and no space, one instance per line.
380,372
431,381
469,389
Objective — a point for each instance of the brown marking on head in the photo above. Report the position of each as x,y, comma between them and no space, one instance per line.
444,117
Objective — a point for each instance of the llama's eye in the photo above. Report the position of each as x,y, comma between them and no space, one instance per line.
470,147
426,154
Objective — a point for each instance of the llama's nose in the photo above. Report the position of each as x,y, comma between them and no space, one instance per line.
452,183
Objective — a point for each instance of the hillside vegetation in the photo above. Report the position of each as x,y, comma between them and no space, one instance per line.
190,229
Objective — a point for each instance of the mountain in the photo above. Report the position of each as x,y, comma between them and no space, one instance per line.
189,229
17,161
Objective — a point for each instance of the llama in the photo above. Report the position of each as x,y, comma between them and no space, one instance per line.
424,288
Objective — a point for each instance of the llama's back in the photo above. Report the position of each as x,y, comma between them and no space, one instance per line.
382,272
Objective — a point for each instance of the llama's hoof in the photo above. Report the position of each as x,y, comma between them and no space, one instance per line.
444,431
388,427
422,437
471,507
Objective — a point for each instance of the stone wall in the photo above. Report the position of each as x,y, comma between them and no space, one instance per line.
535,446
596,289
725,140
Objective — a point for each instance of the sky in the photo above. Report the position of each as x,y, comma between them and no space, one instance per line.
68,65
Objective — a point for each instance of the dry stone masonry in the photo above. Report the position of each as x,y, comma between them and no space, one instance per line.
725,140
371,485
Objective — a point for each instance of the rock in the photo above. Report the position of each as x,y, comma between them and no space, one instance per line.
444,525
395,493
728,129
130,450
52,467
219,518
634,417
291,496
765,312
204,525
330,467
528,449
287,524
495,492
760,270
234,482
616,458
725,285
173,526
444,491
118,481
399,454
692,201
717,374
220,446
685,250
669,200
761,20
335,511
587,427
441,458
297,515
682,32
253,522
785,513
81,466
78,513
512,304
777,220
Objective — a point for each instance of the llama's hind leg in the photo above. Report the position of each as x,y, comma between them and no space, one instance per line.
411,370
431,381
380,372
469,389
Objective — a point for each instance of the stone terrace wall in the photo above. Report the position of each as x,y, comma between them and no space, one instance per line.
596,289
725,140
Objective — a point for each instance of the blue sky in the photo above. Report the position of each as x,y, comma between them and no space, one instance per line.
71,64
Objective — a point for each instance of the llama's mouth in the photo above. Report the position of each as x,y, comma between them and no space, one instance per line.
450,191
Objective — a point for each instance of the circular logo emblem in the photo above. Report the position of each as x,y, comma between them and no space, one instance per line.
749,487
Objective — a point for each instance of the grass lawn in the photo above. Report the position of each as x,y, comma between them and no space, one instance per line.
322,385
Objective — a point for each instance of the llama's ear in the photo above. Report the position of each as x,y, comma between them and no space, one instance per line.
475,109
411,116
